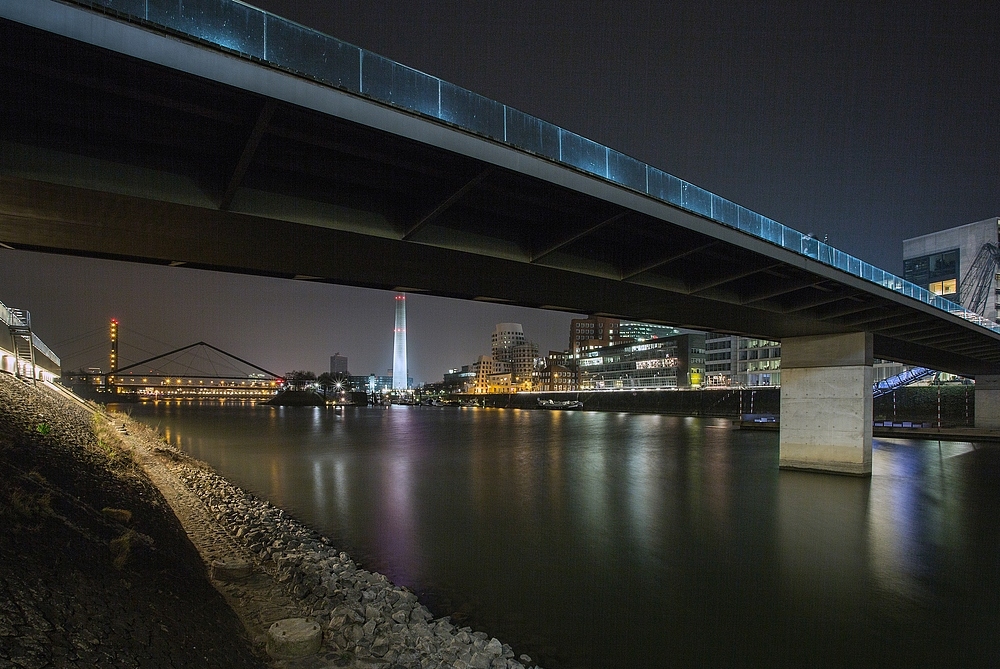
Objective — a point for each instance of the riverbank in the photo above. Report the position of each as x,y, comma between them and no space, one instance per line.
94,569
364,620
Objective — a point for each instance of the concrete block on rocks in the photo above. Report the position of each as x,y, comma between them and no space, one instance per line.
293,637
230,569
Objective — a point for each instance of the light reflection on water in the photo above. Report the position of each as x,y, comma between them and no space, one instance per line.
602,539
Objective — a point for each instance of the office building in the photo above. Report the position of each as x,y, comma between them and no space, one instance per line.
634,331
592,332
758,362
719,363
941,261
338,364
677,362
556,378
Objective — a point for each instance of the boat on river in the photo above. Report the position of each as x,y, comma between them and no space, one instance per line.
557,404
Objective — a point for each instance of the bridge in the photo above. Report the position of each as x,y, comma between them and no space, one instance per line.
196,371
214,135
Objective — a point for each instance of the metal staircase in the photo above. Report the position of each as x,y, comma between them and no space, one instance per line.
21,338
901,379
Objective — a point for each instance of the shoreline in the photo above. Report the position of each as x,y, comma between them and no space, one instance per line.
367,621
294,573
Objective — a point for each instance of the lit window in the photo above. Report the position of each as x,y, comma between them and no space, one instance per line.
946,287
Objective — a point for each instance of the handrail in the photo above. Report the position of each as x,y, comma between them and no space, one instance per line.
9,319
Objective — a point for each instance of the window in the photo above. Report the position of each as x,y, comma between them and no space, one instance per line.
937,272
946,287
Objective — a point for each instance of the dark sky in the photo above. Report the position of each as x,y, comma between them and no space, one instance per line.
866,122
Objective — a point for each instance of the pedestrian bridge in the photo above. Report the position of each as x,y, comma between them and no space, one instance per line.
214,135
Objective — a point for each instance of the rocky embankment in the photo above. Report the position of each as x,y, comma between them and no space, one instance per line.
97,571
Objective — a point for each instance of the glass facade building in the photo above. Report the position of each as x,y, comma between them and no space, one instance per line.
678,362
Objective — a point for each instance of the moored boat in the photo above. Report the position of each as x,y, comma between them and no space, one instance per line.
557,404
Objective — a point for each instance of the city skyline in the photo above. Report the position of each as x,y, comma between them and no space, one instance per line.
851,122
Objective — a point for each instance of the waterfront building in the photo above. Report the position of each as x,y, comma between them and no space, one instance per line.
564,358
592,332
338,364
940,261
500,383
524,365
486,367
84,381
719,369
506,337
758,362
634,331
371,384
399,379
460,380
556,378
677,362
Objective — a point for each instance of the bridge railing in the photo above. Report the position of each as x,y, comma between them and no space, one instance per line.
251,32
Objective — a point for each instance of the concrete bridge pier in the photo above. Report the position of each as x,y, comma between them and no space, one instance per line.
826,403
988,402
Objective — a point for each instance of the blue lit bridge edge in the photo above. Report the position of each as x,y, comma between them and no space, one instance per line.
251,32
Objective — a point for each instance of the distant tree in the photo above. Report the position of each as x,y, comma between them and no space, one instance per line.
299,379
325,382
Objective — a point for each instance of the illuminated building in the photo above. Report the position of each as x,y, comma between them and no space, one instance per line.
460,380
592,332
485,369
719,369
677,362
524,365
632,330
506,336
741,361
556,378
758,362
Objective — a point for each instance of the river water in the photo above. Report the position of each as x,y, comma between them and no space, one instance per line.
622,540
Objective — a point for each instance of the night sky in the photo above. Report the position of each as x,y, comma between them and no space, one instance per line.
864,122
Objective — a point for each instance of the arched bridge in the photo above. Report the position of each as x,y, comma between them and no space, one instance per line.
211,134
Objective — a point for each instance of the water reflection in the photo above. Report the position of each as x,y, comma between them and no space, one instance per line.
822,538
605,540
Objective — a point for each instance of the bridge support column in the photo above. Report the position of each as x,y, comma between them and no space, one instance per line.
988,402
826,403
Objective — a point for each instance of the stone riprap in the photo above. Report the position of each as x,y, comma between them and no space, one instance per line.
95,572
367,621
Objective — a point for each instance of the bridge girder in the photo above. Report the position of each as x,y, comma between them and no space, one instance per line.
187,155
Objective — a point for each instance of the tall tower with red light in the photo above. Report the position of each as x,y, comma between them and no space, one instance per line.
399,346
114,350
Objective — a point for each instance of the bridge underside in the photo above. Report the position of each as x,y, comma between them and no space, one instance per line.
107,155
